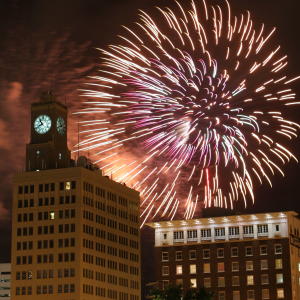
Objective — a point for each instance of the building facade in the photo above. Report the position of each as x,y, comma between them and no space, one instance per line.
239,257
5,280
75,233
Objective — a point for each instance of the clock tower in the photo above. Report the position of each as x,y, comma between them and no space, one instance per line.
48,141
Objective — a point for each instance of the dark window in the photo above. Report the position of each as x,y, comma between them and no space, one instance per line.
18,260
40,230
60,243
67,228
39,259
60,214
52,201
61,200
60,228
73,185
45,229
45,244
26,203
39,245
72,213
51,243
20,202
20,190
18,275
73,227
31,202
67,200
46,201
45,258
24,217
30,259
26,189
66,242
50,258
73,256
61,186
51,229
24,260
32,188
66,213
19,217
24,245
41,188
40,201
40,216
72,242
30,216
30,230
18,245
66,257
24,231
46,215
52,187
46,187
30,245
73,199
60,257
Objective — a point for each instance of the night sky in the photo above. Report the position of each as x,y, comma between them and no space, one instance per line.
44,39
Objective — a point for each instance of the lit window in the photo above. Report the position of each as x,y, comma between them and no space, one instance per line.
248,231
221,295
235,266
265,294
234,252
68,185
178,270
221,281
236,295
205,234
219,233
250,280
264,264
234,232
280,293
51,215
192,235
263,250
206,253
221,267
262,230
192,269
265,279
165,270
249,265
220,253
249,251
279,278
278,263
59,155
165,256
250,295
278,250
178,236
207,282
193,282
235,280
179,282
206,268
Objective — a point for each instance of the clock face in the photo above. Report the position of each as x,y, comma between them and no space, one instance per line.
60,125
42,124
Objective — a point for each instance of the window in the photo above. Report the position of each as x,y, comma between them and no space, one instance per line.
73,185
249,265
250,295
263,250
179,281
60,288
178,236
280,293
68,185
278,249
265,279
52,187
221,295
61,186
51,273
20,190
250,280
206,268
50,289
192,254
39,274
235,266
178,255
278,263
206,234
193,282
165,256
221,267
29,290
192,235
235,280
178,270
265,294
60,273
193,269
264,264
206,253
220,233
207,282
66,273
249,251
165,270
248,231
279,278
38,289
221,281
72,272
72,288
220,252
41,188
234,232
236,295
262,230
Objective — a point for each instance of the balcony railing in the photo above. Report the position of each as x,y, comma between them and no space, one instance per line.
178,240
263,234
248,235
206,238
192,239
220,237
234,236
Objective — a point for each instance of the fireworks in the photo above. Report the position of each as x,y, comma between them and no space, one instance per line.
196,95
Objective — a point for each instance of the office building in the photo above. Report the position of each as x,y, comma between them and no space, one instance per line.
5,279
75,233
241,257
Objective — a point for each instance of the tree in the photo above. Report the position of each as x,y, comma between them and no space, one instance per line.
174,292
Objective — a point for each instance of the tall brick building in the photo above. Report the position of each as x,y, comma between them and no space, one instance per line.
240,257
